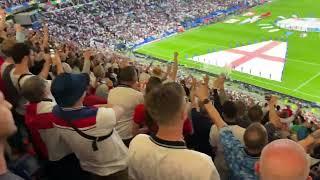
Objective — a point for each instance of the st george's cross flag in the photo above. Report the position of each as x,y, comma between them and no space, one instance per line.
265,59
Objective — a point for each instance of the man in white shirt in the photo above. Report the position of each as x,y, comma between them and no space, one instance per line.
88,131
229,113
127,97
165,155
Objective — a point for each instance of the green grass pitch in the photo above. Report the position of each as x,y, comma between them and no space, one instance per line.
301,76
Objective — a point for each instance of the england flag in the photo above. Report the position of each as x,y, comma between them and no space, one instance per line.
265,59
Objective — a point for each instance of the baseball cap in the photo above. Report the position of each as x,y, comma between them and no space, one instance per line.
68,88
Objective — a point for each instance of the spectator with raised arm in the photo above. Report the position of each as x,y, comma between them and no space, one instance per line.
229,113
128,97
165,155
89,131
201,124
239,158
171,75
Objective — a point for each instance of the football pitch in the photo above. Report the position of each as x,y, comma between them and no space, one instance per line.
301,71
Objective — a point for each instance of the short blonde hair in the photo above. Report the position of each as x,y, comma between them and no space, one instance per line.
163,103
34,89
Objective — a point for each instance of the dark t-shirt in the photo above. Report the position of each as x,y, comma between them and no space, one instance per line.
244,122
201,130
37,67
9,176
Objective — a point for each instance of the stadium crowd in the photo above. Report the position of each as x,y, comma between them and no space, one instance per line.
74,113
9,3
111,23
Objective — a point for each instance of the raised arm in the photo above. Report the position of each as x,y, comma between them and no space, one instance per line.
174,72
87,62
222,92
148,68
56,60
273,116
2,23
45,42
46,66
20,36
202,93
168,71
194,104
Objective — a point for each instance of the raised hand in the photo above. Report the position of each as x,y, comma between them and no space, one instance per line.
173,74
87,54
194,82
56,59
175,55
2,19
206,79
47,58
222,78
2,13
202,92
215,83
273,100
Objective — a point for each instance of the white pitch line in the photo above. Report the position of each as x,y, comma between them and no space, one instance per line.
271,84
305,83
264,82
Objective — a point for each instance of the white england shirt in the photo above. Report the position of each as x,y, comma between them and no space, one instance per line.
157,159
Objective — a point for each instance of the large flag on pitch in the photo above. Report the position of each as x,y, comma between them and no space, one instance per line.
265,59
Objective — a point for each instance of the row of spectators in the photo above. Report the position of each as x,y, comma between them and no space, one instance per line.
249,94
98,115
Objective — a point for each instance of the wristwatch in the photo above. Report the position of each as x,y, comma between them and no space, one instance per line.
205,101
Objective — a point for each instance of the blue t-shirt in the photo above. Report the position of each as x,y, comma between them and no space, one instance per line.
240,163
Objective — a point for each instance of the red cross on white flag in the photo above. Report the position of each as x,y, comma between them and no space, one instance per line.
265,59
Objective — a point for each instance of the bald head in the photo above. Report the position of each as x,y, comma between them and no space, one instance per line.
283,160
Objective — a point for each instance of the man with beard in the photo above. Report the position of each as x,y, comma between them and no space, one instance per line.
14,76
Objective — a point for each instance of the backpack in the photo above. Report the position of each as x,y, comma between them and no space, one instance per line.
12,94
